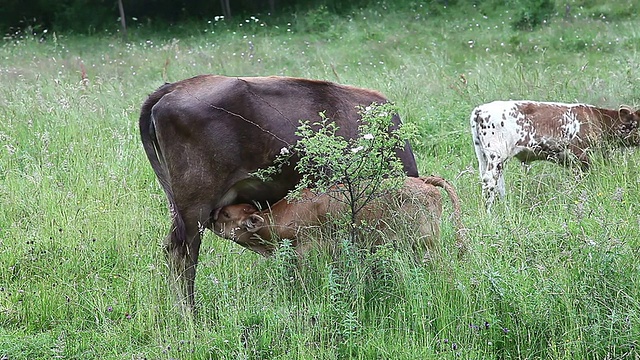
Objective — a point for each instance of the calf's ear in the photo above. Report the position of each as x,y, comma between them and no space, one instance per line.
253,222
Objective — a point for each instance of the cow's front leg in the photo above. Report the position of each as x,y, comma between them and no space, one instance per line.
582,157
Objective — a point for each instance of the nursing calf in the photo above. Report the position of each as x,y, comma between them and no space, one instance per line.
417,203
529,130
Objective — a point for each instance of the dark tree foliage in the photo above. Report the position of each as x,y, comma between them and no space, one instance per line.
89,16
532,14
34,15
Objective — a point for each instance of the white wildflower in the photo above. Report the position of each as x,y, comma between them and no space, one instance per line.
284,151
356,149
368,136
201,228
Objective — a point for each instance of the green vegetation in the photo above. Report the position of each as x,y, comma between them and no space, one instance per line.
552,273
353,172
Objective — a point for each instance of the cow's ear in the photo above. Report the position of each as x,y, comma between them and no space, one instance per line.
253,222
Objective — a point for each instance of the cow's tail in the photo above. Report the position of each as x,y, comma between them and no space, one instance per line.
154,154
461,242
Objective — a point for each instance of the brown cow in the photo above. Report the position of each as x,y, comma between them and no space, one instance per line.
418,203
205,135
531,130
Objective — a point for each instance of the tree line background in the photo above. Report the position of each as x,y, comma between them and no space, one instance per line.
92,16
86,16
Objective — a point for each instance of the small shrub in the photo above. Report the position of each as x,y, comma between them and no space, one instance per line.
352,171
531,14
316,20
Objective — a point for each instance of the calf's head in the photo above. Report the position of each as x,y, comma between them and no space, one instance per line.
237,222
243,223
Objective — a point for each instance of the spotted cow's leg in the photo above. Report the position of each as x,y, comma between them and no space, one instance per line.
493,181
583,158
500,174
482,161
480,154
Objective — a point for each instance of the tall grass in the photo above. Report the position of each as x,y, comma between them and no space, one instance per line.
553,273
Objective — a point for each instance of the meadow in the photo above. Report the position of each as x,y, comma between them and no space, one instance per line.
552,273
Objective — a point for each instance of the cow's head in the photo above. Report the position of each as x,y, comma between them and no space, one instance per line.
627,129
237,221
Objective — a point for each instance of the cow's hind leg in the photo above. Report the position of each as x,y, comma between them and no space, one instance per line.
182,257
484,176
493,181
488,162
482,160
501,187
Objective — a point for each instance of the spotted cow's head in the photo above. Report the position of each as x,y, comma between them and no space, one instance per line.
627,128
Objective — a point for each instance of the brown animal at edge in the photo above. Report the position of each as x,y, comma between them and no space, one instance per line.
419,198
205,135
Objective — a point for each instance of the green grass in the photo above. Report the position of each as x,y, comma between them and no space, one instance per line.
553,273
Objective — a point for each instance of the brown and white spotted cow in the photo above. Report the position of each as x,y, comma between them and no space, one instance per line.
531,130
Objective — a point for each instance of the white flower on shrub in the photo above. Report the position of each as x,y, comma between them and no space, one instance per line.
356,149
368,136
284,151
